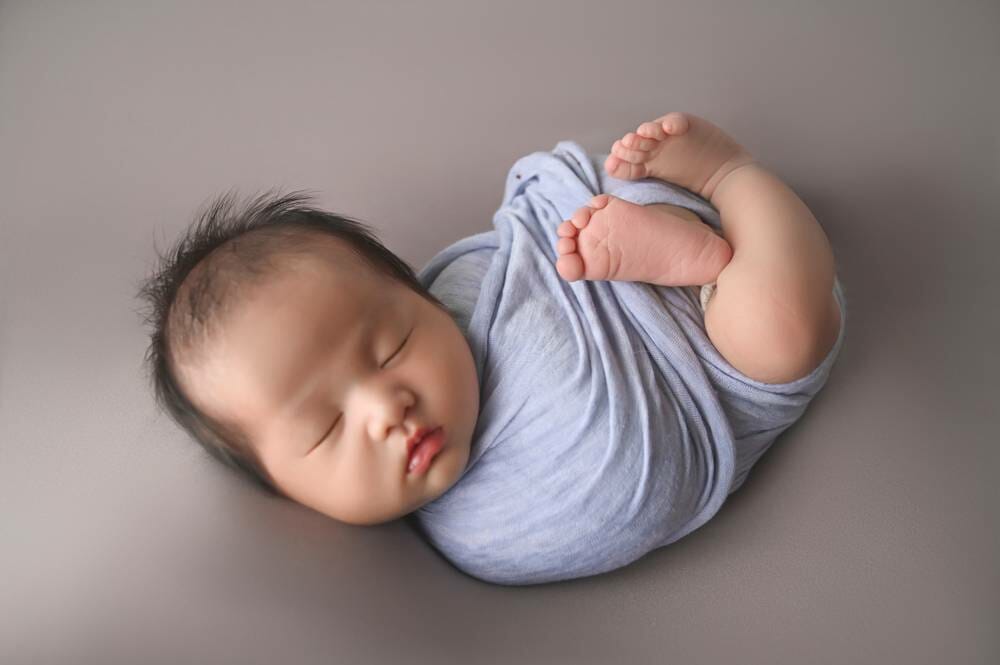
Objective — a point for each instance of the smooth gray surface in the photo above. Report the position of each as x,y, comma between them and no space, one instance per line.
868,534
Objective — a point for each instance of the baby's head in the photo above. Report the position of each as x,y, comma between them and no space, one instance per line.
297,349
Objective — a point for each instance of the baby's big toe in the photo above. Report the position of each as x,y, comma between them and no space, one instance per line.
675,123
570,267
651,130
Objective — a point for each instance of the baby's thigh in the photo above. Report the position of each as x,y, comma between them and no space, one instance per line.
755,331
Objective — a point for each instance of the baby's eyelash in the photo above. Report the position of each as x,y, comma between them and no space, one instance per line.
341,415
396,353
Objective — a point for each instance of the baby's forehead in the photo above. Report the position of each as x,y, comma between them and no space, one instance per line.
331,258
304,304
348,284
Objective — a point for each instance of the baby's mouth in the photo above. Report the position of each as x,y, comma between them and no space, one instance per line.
424,452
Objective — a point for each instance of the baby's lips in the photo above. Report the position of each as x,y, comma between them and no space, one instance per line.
425,452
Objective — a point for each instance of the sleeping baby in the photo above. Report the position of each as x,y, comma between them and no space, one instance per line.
550,399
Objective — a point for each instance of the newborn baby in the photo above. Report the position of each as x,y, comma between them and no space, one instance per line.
550,399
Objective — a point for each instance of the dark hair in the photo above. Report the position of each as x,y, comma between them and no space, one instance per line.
206,274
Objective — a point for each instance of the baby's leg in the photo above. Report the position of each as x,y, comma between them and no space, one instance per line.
773,315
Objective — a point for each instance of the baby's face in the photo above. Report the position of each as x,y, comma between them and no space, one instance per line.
329,371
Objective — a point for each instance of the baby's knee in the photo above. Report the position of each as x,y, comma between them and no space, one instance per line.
763,337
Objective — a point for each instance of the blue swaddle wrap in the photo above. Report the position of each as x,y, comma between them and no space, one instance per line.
606,424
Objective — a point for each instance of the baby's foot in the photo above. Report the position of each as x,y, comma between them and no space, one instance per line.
681,148
613,239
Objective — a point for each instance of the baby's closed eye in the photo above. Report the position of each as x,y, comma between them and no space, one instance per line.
398,350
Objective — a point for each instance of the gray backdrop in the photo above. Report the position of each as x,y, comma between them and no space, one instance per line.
868,534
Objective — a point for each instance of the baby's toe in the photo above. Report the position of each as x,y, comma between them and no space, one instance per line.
570,266
652,130
600,201
675,123
629,155
566,245
566,230
581,217
636,142
617,167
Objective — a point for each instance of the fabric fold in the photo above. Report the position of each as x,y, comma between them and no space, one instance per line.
601,433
